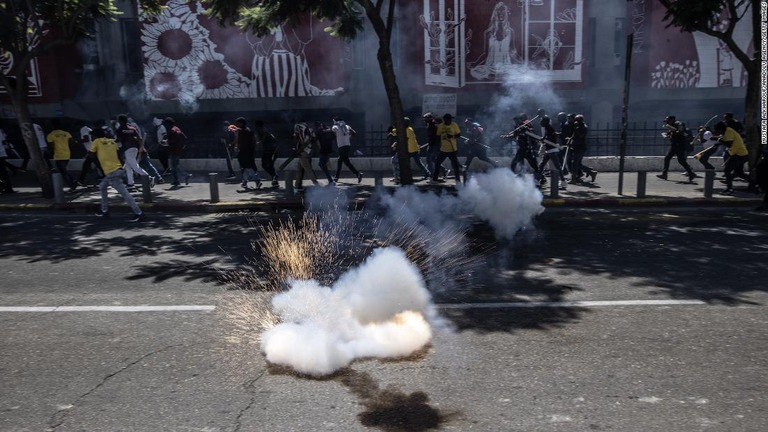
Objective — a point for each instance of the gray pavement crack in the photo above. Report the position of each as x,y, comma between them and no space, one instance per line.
58,418
250,385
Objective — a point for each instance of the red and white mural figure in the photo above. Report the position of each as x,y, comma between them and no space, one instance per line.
489,42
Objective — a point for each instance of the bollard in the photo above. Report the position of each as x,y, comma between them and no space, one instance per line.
58,188
378,179
213,182
289,184
146,190
709,182
641,181
554,183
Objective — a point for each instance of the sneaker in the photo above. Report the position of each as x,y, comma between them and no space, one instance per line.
563,184
594,176
175,184
231,177
186,181
244,185
138,217
662,176
160,180
359,177
258,184
336,179
102,214
275,183
151,182
728,191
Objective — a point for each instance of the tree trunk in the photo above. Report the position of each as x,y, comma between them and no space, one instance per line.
751,118
384,56
24,117
396,106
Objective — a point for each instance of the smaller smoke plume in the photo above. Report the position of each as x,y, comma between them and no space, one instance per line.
135,96
506,201
374,310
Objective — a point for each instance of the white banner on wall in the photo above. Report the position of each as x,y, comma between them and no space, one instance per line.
439,104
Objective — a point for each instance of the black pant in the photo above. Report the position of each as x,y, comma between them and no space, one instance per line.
524,153
4,176
478,151
734,167
578,168
554,159
705,155
454,158
433,152
162,156
90,162
344,158
61,166
268,163
679,152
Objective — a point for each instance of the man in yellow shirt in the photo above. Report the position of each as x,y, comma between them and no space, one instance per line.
59,141
105,149
414,150
448,131
737,157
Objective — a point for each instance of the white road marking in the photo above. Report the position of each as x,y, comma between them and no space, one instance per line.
585,304
201,308
502,305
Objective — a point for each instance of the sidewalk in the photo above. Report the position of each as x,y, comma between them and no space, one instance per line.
196,197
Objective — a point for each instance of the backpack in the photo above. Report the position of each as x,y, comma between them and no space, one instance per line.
305,136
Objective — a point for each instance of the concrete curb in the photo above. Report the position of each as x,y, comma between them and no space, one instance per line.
298,205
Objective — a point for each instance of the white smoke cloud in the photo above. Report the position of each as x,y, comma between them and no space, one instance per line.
506,201
372,311
378,309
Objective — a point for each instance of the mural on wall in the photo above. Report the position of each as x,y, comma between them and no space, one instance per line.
491,42
34,36
188,56
668,58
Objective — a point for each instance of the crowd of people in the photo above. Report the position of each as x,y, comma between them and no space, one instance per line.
725,137
543,149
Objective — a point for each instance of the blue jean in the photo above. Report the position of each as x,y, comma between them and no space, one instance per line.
115,179
146,164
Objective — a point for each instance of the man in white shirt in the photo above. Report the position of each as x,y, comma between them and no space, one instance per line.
163,154
343,133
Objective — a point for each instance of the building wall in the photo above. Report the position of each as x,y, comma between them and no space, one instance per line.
486,59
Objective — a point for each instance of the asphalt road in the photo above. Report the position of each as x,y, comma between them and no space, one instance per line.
644,320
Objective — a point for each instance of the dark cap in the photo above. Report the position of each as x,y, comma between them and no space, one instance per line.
447,116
